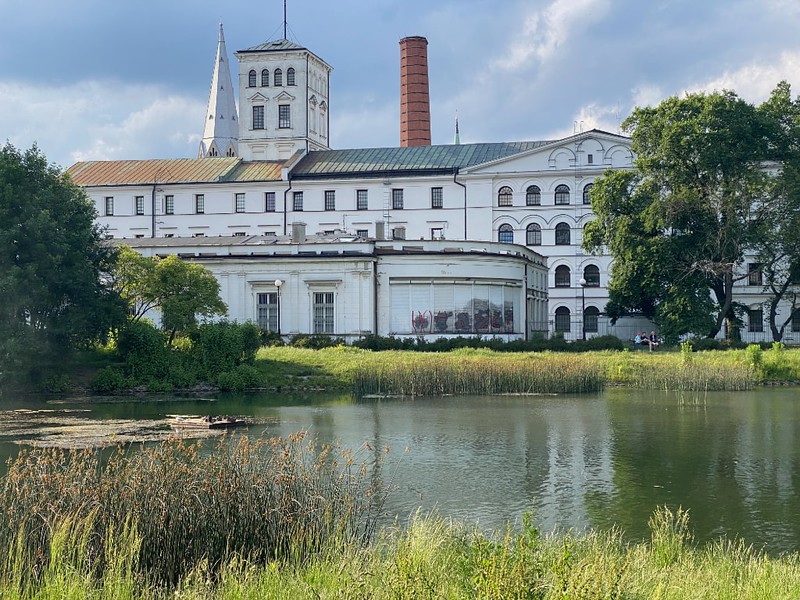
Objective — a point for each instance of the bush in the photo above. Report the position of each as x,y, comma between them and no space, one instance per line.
109,379
316,341
143,348
220,347
239,379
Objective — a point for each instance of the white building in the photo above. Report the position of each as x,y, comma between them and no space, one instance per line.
280,171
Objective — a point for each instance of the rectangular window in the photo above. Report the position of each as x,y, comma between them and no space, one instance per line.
109,206
139,202
267,311
796,321
755,320
240,203
199,203
258,117
437,233
284,116
362,202
330,200
239,234
297,204
754,275
269,201
323,312
364,233
590,160
397,199
169,204
437,197
193,235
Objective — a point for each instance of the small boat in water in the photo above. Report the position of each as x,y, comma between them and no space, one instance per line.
192,422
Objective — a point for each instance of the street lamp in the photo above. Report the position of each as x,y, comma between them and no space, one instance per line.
278,284
583,308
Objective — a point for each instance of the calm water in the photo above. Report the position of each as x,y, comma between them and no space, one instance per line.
574,461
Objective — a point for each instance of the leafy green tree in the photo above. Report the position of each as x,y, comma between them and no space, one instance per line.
679,225
181,291
52,258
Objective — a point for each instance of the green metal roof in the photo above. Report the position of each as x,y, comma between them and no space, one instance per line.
416,160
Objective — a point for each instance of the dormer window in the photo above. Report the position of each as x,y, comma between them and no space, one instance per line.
251,79
265,78
290,76
278,78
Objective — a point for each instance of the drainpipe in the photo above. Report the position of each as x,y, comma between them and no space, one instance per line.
375,289
465,201
153,207
285,194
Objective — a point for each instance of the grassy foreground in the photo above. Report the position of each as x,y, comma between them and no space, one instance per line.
286,520
487,372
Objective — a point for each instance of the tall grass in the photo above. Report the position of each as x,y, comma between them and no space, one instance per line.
282,498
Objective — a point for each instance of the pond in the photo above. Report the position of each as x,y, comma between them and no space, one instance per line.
597,460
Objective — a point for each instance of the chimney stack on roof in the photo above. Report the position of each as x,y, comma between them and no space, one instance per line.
415,111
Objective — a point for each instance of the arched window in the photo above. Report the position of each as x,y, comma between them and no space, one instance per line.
505,196
590,318
505,234
562,276
533,196
533,235
277,78
562,234
591,273
265,78
290,76
562,319
251,79
586,190
562,194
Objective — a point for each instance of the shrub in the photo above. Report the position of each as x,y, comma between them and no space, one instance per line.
109,379
143,348
316,341
220,347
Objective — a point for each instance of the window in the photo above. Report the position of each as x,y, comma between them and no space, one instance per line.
323,312
239,234
533,235
437,197
290,76
364,233
330,200
199,203
195,235
258,117
754,275
505,197
796,321
169,205
562,194
533,196
563,276
437,233
505,234
267,311
397,199
269,201
590,318
591,273
362,200
562,234
284,116
755,320
590,159
587,192
251,79
297,204
139,202
109,206
278,78
265,78
562,319
239,203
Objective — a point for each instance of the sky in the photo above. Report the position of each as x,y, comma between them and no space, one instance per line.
108,80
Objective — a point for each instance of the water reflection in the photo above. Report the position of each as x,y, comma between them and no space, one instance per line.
573,461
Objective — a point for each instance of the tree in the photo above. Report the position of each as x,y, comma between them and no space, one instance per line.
678,226
181,291
52,256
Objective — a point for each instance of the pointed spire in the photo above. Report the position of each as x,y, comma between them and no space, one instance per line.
221,131
456,138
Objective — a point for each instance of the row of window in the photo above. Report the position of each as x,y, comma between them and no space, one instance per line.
563,320
533,234
284,117
533,195
323,315
277,77
755,320
591,275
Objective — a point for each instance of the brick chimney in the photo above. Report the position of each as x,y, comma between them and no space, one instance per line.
415,111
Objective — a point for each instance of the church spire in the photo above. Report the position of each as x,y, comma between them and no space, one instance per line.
221,132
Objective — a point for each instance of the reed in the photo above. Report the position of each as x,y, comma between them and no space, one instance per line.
180,504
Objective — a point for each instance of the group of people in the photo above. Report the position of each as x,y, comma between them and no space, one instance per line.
642,339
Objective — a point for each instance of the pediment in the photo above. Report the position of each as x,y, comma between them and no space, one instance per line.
284,97
257,97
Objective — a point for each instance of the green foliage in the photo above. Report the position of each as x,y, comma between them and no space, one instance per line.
220,347
537,344
755,356
51,260
142,347
109,380
316,341
670,535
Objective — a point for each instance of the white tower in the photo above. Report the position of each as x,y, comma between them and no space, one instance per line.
283,101
221,132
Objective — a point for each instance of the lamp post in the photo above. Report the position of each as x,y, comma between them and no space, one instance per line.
583,308
278,284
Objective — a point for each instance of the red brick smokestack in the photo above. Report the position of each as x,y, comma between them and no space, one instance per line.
415,110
